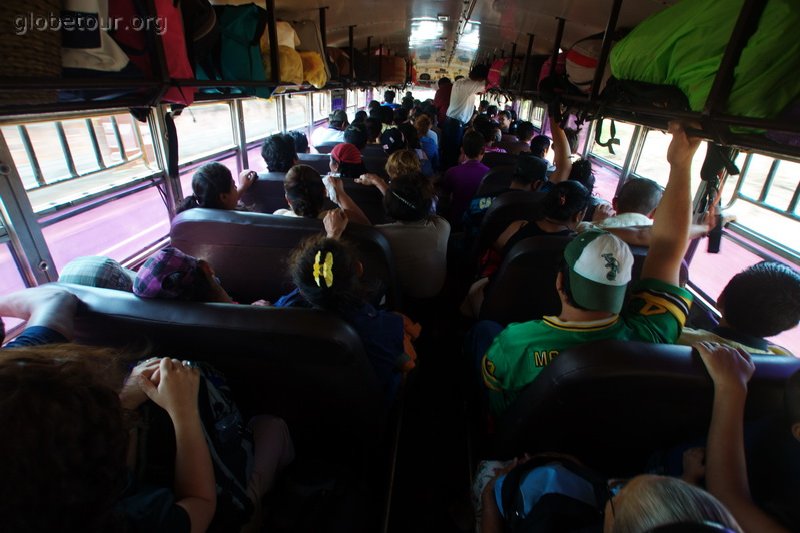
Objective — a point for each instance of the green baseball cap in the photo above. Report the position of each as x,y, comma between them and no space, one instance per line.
599,270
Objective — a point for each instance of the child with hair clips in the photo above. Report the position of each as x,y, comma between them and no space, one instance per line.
327,273
213,187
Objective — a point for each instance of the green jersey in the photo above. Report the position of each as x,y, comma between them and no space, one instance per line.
656,312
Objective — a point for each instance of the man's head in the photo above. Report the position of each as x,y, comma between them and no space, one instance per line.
479,73
491,111
279,153
337,119
482,106
373,104
581,172
300,141
540,145
373,126
530,170
504,118
388,97
443,82
525,131
596,271
400,115
473,144
638,195
763,300
356,134
393,140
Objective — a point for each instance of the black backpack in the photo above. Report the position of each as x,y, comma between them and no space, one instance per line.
561,508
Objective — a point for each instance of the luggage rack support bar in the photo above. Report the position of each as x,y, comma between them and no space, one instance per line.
526,64
272,29
556,46
352,52
369,53
511,66
605,49
161,71
323,30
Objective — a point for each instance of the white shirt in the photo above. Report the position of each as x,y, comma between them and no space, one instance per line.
326,135
462,98
623,220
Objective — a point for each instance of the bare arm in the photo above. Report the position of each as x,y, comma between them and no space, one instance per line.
375,180
670,232
246,179
354,213
726,469
561,148
47,305
176,393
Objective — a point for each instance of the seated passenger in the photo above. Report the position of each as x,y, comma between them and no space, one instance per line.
98,271
305,194
428,143
279,152
525,133
634,206
506,122
592,285
300,142
413,143
373,126
360,117
388,100
346,161
333,132
540,146
761,301
214,188
418,238
461,182
327,273
490,131
171,274
356,134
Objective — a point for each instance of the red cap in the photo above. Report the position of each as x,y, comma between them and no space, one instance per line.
346,153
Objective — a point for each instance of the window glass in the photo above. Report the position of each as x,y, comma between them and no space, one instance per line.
260,118
537,116
296,111
653,159
624,134
203,130
524,110
321,105
362,98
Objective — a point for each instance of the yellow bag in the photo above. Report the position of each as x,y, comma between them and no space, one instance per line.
290,61
314,69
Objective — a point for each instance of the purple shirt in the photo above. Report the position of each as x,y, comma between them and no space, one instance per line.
462,183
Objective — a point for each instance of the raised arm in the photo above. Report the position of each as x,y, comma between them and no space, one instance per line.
375,180
246,179
176,392
561,148
670,232
47,305
726,469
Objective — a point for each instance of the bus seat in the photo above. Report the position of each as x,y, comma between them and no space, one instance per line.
248,251
376,164
266,194
640,252
304,365
325,148
505,209
369,199
319,162
496,180
614,403
514,147
497,159
524,287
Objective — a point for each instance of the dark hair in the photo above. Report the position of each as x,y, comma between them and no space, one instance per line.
300,141
483,103
539,145
356,134
407,103
525,130
444,81
373,104
459,77
409,198
763,300
639,195
486,127
410,133
387,114
491,110
304,190
473,144
581,172
208,183
345,291
278,152
505,112
388,96
565,200
63,460
373,127
400,115
360,116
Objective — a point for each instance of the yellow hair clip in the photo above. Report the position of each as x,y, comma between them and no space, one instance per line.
323,270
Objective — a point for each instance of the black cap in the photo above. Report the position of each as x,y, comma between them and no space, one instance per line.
530,168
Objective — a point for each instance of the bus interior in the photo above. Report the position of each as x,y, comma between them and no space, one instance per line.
94,163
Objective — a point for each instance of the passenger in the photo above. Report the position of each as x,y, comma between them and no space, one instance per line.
346,161
393,140
388,100
373,126
592,285
525,132
373,104
327,273
428,143
98,271
506,122
80,478
634,206
356,134
360,117
483,106
491,112
491,133
386,116
305,194
540,146
400,116
300,142
174,275
333,132
459,113
726,470
279,152
408,101
214,188
441,100
460,183
418,238
761,301
413,143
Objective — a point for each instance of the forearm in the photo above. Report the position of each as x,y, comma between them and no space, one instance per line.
491,521
194,473
635,236
46,306
561,148
671,230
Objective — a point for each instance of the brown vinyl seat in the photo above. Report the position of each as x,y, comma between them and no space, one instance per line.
505,209
249,251
497,159
306,366
325,148
524,287
319,162
514,147
614,403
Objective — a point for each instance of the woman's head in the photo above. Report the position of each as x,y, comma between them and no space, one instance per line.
305,191
327,272
213,187
409,198
63,463
403,163
566,202
582,173
647,502
423,125
346,160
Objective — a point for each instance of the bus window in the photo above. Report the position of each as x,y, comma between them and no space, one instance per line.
652,163
537,116
321,106
624,132
203,130
260,118
296,111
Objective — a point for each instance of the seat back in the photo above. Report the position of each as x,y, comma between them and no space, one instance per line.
497,159
496,180
319,162
639,253
326,148
505,209
524,287
249,251
376,163
306,366
514,147
266,195
613,403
